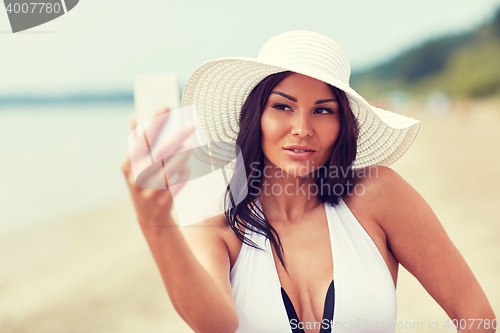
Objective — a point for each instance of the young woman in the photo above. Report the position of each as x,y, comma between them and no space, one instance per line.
315,242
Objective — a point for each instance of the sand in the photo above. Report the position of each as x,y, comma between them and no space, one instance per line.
94,272
455,166
89,273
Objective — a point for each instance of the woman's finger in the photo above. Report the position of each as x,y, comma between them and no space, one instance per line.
174,165
133,125
163,150
162,111
180,182
153,127
152,177
133,121
143,157
129,176
139,152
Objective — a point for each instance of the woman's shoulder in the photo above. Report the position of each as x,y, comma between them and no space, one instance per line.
209,230
379,190
208,225
377,181
377,178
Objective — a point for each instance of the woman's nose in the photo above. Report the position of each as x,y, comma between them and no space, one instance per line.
301,125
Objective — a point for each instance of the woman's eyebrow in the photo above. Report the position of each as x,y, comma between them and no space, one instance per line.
321,101
293,99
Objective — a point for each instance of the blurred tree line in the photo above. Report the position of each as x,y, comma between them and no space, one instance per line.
463,65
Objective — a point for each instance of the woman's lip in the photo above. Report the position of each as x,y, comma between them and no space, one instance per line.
299,147
299,156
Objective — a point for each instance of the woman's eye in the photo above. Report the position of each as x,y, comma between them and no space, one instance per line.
323,110
282,107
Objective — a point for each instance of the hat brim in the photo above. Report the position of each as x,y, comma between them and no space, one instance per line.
219,88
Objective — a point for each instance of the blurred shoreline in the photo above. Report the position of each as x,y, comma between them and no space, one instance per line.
75,99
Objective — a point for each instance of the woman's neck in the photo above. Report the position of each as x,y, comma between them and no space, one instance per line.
287,197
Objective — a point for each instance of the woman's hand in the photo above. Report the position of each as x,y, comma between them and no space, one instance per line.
200,292
147,166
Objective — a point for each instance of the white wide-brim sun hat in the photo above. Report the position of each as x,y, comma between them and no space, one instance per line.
217,90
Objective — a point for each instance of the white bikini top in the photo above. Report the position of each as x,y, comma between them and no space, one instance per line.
365,297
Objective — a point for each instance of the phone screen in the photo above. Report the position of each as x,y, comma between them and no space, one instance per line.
152,92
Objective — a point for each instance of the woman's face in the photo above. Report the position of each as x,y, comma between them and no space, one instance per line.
300,124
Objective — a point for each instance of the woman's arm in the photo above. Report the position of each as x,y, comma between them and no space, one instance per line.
419,242
197,281
196,286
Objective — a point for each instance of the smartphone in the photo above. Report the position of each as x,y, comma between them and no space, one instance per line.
203,193
152,92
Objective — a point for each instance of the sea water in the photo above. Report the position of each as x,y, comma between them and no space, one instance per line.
56,161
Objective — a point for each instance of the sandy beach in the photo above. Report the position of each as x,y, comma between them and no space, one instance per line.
454,164
94,272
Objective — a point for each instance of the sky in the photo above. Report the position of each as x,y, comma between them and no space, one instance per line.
101,45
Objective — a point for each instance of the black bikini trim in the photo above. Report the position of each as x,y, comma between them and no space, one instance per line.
327,312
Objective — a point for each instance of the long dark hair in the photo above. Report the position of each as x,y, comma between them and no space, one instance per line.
246,214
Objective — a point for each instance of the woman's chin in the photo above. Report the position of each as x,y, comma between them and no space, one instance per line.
286,169
299,171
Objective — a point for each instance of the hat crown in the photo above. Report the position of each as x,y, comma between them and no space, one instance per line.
300,50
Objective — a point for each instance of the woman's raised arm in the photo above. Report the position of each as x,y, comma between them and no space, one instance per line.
198,284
